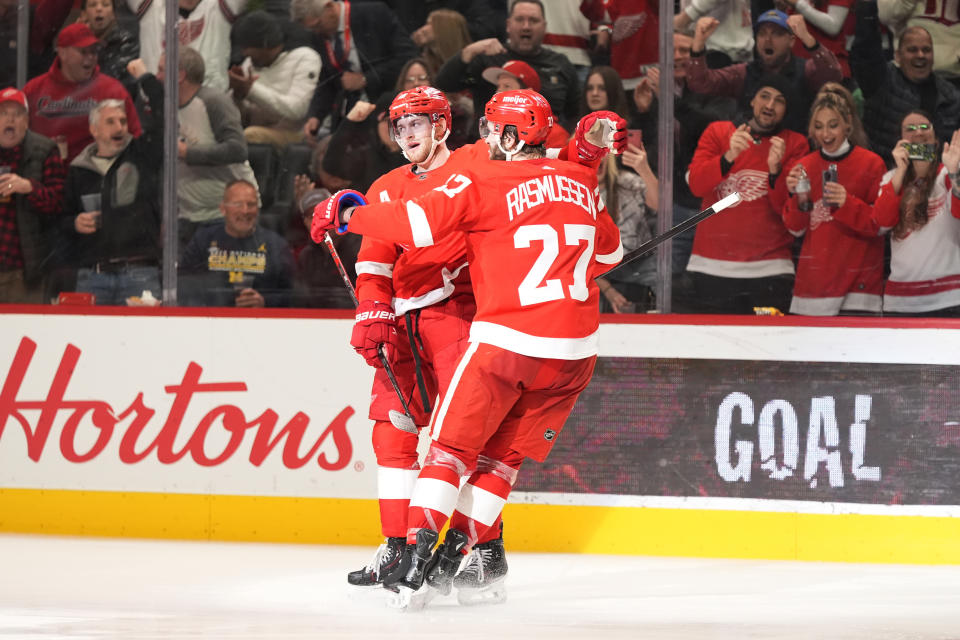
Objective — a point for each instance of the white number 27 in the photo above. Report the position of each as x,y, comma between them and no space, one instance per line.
534,289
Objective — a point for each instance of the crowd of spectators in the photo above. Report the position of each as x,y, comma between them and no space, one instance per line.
836,120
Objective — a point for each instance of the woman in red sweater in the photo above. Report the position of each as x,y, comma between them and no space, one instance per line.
841,261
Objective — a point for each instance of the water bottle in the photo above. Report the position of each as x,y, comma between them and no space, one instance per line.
803,191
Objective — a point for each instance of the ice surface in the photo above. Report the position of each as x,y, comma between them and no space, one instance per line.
54,588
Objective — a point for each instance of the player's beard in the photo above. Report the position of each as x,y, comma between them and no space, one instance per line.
422,153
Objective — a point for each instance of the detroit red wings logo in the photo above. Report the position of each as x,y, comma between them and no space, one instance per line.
626,26
751,184
819,215
190,30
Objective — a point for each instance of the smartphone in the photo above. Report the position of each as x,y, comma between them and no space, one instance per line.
830,175
635,137
921,151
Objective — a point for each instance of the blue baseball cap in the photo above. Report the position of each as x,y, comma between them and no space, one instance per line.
773,16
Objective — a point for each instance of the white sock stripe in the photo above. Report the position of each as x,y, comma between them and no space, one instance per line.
480,504
419,226
395,484
430,493
454,382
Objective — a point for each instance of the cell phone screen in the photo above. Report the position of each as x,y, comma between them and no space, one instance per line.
921,151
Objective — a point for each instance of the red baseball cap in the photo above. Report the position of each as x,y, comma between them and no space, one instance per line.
12,94
77,35
523,72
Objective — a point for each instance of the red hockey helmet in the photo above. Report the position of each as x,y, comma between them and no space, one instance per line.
525,109
421,101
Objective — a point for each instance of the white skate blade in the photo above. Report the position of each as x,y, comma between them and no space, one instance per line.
493,593
406,599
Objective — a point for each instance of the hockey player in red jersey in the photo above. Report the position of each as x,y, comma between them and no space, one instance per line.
536,235
430,288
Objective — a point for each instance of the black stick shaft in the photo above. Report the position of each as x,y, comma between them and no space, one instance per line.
687,224
328,241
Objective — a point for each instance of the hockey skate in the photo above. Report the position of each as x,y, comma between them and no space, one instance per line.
385,560
482,579
446,562
408,591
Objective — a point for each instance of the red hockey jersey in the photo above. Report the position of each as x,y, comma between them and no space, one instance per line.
414,278
841,261
537,233
748,240
408,277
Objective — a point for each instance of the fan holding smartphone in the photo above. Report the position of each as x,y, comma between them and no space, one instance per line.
915,201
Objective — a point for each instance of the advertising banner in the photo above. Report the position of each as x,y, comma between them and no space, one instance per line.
277,407
810,431
234,406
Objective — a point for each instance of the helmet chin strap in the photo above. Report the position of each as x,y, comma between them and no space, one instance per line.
512,153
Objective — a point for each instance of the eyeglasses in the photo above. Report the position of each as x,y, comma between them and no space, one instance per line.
919,127
240,205
423,78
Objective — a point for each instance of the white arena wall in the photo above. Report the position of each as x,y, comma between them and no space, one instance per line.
833,439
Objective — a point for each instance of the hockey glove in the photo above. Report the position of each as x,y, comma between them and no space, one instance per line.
326,215
598,132
376,326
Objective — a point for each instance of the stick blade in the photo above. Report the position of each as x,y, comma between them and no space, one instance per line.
403,422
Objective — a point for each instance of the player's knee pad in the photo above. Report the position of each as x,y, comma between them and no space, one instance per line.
393,447
440,456
506,468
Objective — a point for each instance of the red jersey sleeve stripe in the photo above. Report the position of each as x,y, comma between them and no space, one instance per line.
375,269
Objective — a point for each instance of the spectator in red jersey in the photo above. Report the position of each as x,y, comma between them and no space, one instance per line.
62,98
840,268
634,33
32,175
742,259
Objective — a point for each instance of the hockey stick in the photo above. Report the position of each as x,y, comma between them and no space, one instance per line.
403,421
689,223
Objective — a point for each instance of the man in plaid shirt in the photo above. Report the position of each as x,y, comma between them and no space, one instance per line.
32,177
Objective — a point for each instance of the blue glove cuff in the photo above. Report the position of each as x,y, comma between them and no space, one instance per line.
348,198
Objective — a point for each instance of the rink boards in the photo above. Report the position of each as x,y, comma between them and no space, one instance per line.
698,436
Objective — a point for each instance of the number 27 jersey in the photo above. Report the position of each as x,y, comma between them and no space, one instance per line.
537,234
